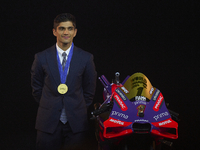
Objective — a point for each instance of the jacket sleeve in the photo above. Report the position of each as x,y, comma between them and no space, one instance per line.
37,79
89,81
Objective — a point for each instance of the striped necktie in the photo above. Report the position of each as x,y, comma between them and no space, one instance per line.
63,117
64,60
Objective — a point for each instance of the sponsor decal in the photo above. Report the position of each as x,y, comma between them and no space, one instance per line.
121,94
117,121
156,95
140,98
124,90
165,122
135,82
140,109
115,113
140,102
151,91
161,115
158,103
120,102
140,120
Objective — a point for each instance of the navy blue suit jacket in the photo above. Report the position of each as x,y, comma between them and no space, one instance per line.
81,82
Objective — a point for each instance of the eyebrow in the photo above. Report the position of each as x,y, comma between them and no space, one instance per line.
61,27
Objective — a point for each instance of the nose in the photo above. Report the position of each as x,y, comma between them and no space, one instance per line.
66,31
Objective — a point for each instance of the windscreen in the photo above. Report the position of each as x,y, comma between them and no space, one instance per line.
138,87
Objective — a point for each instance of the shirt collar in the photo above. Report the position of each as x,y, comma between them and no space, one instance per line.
60,51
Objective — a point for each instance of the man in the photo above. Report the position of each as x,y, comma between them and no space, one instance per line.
64,86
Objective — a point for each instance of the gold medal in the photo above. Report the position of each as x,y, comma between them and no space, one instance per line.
62,88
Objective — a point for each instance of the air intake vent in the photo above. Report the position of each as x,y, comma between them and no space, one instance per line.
141,128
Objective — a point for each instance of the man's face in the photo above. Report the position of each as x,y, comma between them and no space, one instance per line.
65,32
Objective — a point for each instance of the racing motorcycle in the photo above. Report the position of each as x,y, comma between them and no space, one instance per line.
133,116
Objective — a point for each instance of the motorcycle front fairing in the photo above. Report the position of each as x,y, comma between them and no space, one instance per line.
139,108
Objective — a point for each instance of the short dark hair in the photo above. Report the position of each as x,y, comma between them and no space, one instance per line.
63,18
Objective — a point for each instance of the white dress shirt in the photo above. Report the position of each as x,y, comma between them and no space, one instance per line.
60,51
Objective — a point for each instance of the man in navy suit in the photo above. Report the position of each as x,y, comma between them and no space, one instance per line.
64,87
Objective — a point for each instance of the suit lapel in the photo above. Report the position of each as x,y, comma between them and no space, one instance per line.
73,67
53,66
51,56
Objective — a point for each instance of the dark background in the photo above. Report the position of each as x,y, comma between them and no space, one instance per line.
157,38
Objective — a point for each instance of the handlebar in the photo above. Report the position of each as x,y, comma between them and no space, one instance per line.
174,114
103,109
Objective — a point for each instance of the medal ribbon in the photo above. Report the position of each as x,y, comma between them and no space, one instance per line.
63,73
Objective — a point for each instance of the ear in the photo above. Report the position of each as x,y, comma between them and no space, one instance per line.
54,32
75,32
